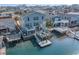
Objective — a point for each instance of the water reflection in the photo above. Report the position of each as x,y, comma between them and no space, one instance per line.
60,46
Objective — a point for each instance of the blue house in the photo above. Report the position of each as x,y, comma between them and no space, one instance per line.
31,21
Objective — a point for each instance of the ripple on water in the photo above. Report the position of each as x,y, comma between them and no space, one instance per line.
59,47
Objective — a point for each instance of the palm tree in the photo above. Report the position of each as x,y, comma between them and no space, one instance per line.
49,23
17,22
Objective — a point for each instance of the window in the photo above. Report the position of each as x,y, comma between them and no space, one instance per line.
42,17
57,19
27,25
36,24
31,32
57,25
65,17
28,18
36,18
73,22
68,18
66,24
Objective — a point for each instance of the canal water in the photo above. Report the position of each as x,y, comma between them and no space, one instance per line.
60,46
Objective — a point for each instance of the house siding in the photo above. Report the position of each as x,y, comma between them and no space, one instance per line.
31,19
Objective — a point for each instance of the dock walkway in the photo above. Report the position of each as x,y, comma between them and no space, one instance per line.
12,37
61,30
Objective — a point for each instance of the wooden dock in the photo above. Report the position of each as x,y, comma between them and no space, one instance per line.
61,30
42,43
11,38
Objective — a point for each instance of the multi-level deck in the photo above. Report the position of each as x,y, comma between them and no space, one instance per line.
40,41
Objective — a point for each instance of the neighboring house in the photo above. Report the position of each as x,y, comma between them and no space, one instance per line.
7,23
31,21
73,18
70,19
59,21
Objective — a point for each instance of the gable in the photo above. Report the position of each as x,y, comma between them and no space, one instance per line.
35,14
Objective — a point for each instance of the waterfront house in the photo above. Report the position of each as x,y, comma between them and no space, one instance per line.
32,21
73,18
60,21
7,24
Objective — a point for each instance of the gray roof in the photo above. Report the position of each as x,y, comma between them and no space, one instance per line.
31,12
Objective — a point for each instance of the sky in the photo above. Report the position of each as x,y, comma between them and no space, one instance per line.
37,2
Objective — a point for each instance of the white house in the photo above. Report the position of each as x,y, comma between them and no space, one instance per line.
60,21
70,19
31,21
73,18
